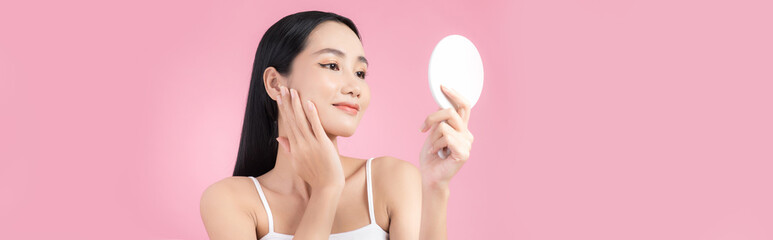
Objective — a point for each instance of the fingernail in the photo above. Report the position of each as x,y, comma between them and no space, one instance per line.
423,125
283,90
279,100
293,94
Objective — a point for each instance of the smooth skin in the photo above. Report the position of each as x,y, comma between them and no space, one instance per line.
314,191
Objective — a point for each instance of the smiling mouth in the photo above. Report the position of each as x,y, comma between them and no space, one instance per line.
347,109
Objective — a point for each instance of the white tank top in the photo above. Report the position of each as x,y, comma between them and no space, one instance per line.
370,231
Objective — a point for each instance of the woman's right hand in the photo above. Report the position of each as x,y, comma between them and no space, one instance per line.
314,156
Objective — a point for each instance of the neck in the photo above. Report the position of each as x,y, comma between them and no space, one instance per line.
284,178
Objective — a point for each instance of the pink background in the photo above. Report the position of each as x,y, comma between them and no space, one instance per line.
599,119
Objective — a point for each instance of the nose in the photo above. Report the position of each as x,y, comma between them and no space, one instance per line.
352,87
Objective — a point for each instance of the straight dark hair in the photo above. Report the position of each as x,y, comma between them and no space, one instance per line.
278,48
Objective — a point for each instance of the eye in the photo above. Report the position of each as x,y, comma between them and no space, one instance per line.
331,66
361,74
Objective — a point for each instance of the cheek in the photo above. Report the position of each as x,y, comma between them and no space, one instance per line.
322,101
365,100
313,88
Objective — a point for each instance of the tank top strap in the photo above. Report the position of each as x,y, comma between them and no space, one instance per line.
370,191
265,205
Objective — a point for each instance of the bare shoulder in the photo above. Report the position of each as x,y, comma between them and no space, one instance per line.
225,210
394,167
397,178
227,190
398,183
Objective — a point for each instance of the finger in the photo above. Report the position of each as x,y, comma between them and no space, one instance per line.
465,115
288,119
285,145
313,115
440,130
449,115
300,116
460,150
460,102
459,146
439,144
448,130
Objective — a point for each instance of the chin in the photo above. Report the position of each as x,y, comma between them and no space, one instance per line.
346,135
339,124
341,131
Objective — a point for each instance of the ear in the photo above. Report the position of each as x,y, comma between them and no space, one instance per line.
271,82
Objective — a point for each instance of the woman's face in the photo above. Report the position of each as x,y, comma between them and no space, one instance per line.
329,71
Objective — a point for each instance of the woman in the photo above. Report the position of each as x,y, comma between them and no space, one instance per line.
307,89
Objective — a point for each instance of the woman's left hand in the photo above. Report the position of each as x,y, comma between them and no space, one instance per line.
448,128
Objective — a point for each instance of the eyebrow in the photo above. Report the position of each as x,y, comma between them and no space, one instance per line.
339,53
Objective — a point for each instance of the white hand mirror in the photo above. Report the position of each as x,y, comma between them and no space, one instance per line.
455,63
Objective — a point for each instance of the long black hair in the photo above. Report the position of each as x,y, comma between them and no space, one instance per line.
279,46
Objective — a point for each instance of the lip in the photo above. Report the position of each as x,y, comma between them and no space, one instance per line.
348,104
350,108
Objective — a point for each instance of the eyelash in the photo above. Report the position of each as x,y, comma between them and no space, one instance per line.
334,67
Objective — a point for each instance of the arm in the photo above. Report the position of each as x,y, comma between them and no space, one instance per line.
316,161
320,211
447,130
223,216
403,193
434,202
417,210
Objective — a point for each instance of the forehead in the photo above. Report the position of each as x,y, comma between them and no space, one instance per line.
332,34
